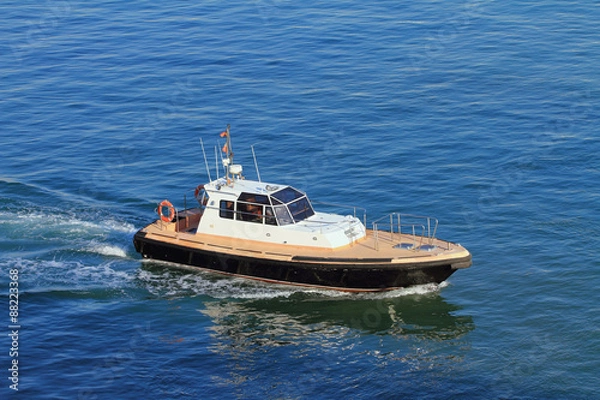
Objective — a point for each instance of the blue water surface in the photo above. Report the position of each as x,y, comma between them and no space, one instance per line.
483,114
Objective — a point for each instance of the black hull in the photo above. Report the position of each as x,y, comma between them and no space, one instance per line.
347,275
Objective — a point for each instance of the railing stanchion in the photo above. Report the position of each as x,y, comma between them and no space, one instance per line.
428,226
376,236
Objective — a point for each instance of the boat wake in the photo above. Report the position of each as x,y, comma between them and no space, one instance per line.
54,222
57,249
108,250
40,276
43,230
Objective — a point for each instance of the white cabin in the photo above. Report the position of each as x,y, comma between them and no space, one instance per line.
272,213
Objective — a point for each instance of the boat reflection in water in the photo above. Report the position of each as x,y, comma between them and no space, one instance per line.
425,315
325,339
294,342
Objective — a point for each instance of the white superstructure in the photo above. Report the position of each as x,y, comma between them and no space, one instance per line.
279,214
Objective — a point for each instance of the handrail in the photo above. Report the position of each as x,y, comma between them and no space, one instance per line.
163,224
354,209
398,224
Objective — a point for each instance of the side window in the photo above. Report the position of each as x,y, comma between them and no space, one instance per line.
226,209
270,216
254,198
251,207
251,212
283,215
202,197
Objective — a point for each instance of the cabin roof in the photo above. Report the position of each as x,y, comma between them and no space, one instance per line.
239,186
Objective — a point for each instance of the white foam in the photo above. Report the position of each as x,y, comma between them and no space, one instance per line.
49,220
176,282
108,250
108,237
409,291
39,275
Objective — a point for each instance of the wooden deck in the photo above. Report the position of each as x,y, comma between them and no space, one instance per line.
375,247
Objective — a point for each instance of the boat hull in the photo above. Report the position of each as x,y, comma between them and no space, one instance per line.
376,274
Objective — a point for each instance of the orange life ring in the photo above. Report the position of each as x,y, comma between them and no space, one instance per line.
171,215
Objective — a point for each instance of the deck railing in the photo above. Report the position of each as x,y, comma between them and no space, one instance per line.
420,229
355,210
184,218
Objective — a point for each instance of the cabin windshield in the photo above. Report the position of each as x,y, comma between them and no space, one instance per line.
298,206
284,207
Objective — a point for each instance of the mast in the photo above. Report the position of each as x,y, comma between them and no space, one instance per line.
232,171
227,147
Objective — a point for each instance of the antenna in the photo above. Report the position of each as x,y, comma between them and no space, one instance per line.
255,163
216,163
205,160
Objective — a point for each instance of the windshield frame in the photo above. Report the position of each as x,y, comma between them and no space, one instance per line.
297,204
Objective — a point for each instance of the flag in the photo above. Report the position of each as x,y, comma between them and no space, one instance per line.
223,134
224,149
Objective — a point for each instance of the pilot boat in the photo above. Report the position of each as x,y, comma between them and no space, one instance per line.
272,232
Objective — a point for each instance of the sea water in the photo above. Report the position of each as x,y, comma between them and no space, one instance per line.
482,114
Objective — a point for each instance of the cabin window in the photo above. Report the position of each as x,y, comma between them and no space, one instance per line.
287,194
283,215
250,207
270,216
284,207
301,209
254,198
202,198
226,209
297,203
251,212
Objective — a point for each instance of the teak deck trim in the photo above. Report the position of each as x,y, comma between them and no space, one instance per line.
371,249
